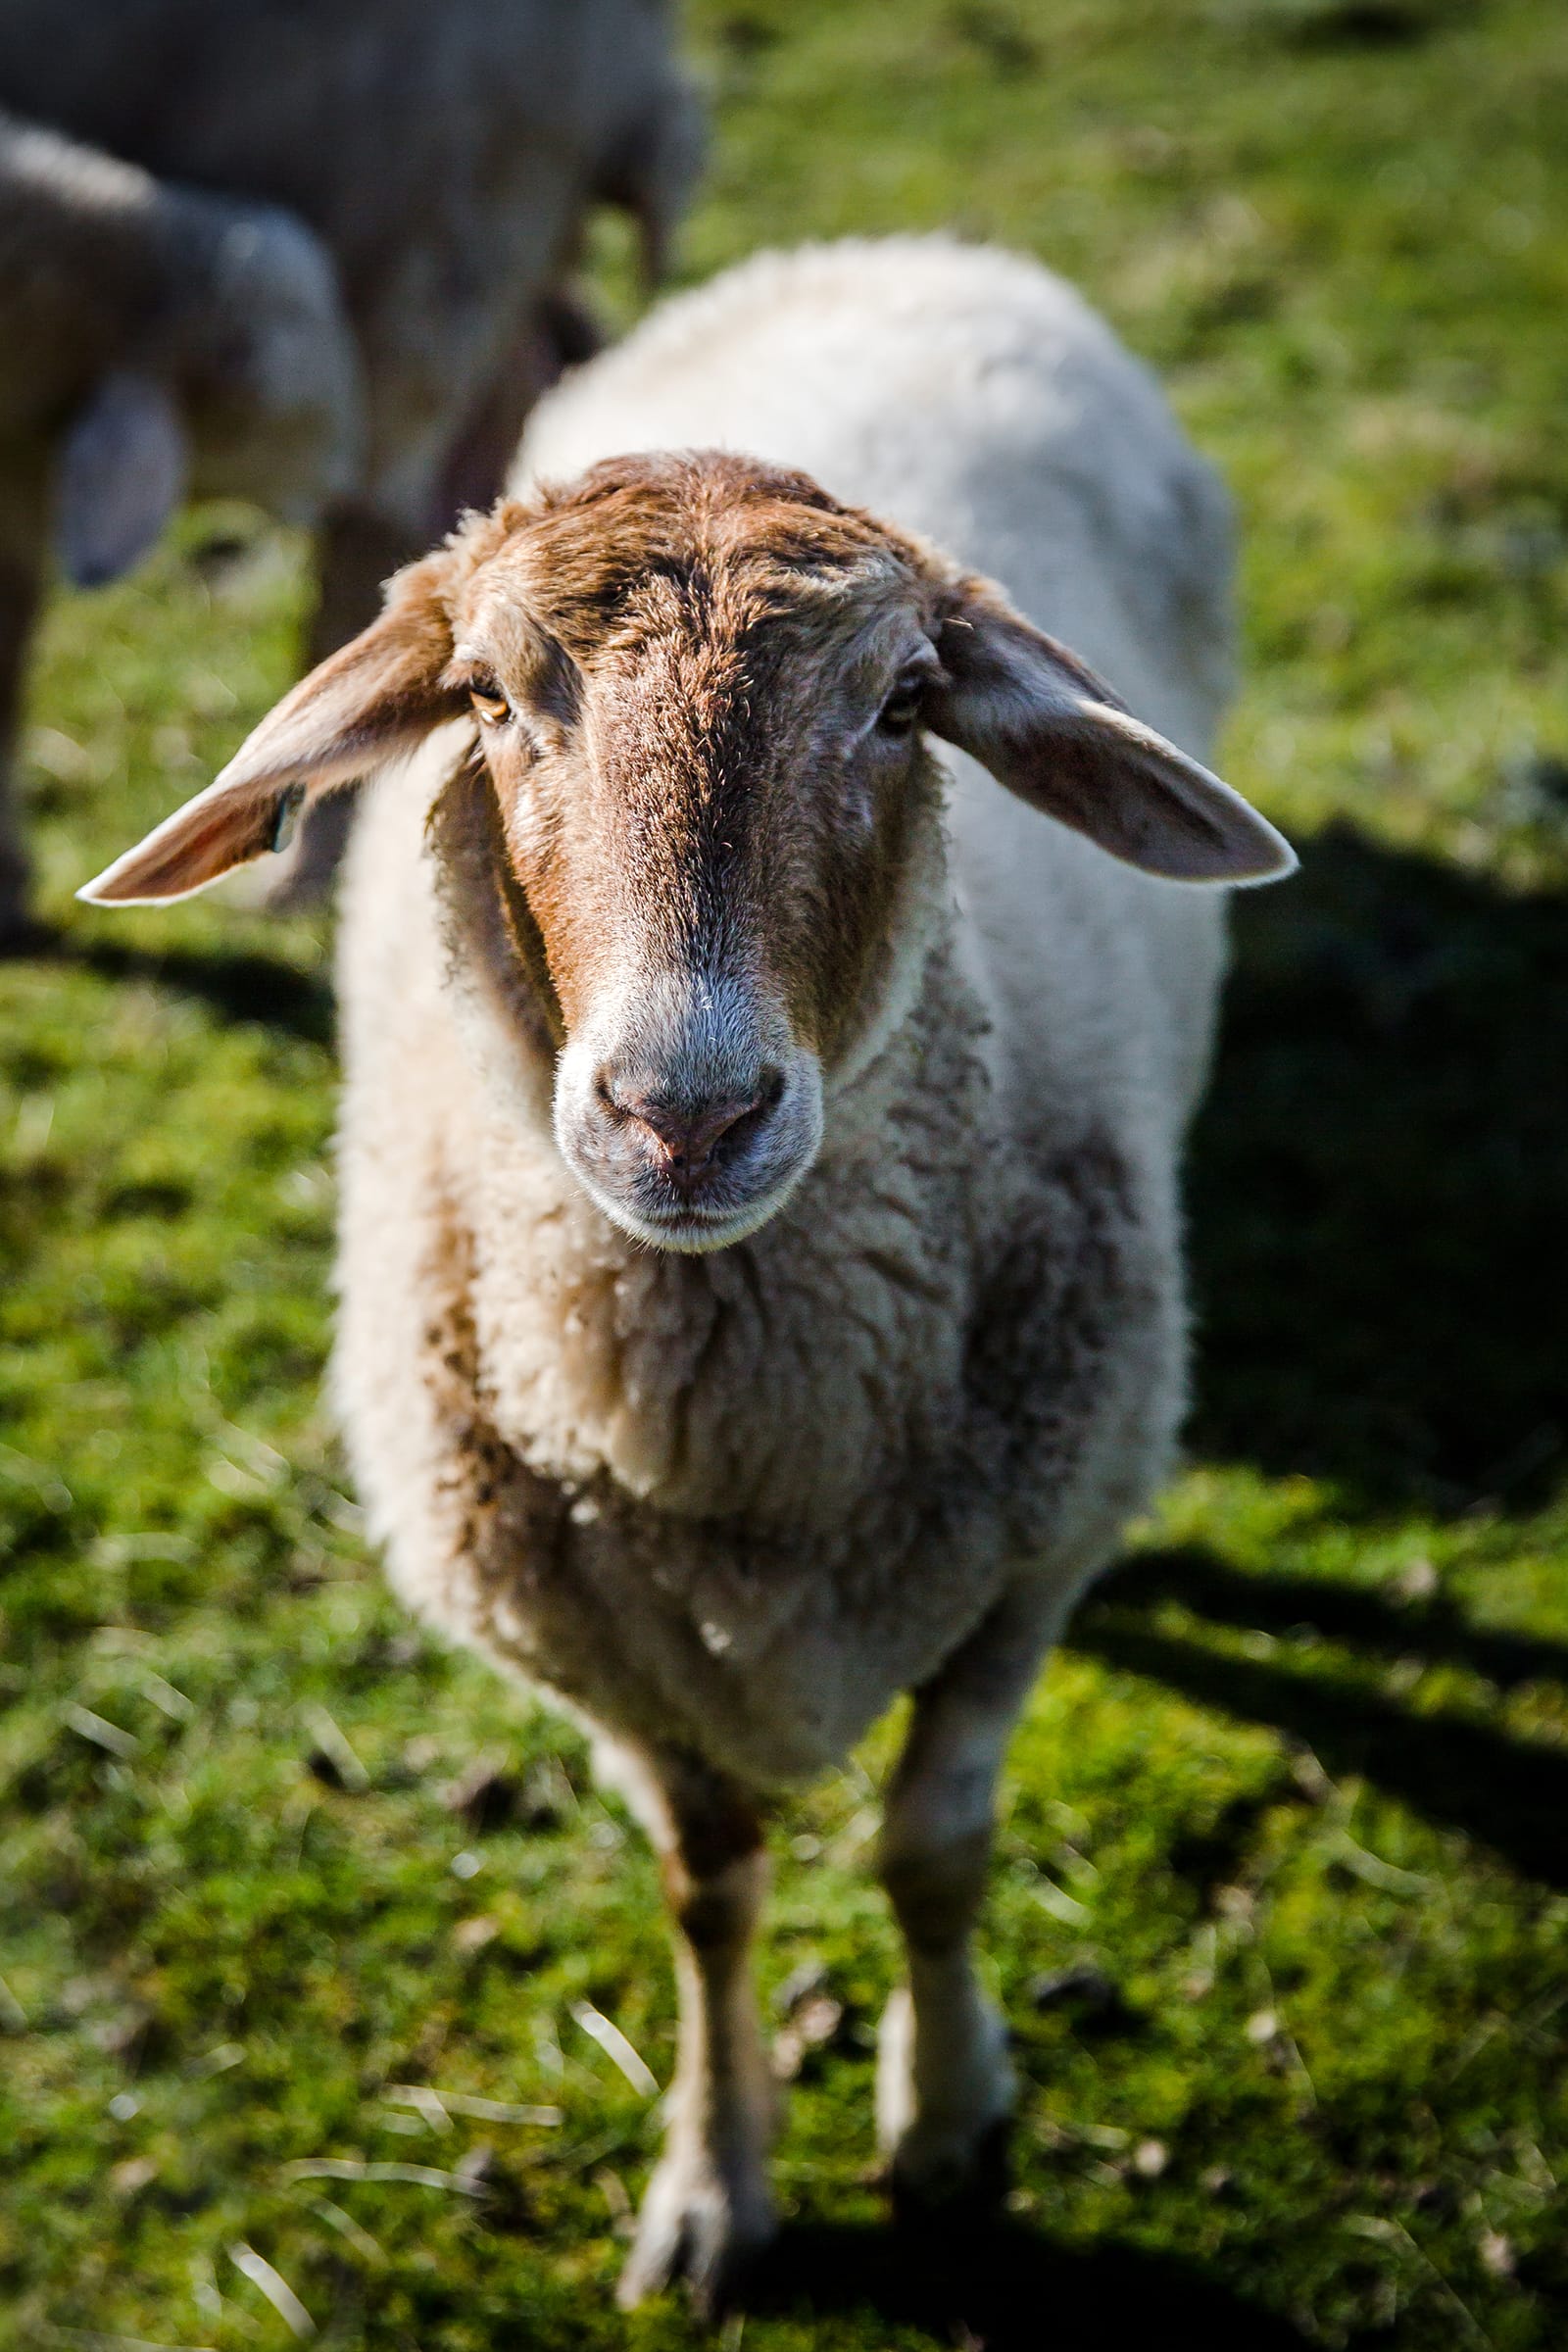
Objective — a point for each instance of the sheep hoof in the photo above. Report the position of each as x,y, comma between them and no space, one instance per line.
960,2178
698,2227
950,2154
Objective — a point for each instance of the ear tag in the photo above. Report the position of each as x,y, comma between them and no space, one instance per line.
289,804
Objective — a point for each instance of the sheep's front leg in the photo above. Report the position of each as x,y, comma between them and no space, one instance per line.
708,2209
944,2084
19,604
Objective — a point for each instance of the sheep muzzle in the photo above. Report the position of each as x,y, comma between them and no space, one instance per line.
687,1111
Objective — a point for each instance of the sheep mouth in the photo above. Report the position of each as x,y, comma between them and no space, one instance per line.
693,1231
694,1218
688,1227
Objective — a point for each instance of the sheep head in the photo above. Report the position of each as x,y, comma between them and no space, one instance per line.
699,689
241,382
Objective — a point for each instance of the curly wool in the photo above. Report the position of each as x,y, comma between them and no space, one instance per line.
737,1503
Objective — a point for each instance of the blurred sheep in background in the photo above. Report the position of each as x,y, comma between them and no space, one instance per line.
178,334
153,340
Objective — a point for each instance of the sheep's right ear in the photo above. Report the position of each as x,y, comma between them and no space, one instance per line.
1054,734
119,475
377,698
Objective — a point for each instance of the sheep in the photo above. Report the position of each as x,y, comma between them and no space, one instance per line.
776,976
153,338
445,157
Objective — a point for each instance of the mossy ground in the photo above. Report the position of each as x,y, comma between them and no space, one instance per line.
1298,1787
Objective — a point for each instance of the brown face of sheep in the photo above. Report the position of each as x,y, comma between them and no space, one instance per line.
697,693
700,687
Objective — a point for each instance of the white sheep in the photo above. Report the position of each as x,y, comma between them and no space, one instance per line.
446,158
153,340
761,1286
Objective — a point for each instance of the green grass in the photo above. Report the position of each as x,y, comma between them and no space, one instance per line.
1298,1789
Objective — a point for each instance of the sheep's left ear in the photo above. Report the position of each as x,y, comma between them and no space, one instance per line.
1050,730
377,698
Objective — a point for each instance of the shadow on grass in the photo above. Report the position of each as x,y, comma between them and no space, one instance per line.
1434,1631
1508,1794
238,986
1378,1184
1008,2290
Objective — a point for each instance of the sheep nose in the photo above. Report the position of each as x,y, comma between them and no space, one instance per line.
684,1134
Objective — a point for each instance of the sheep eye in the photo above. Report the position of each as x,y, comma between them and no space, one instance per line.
490,707
900,711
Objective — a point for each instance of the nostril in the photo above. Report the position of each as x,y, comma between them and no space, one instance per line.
686,1133
688,1136
710,1125
748,1111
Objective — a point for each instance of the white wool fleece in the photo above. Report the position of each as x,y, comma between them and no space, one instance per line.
739,1501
